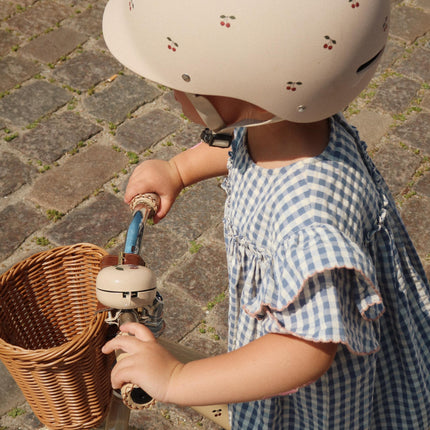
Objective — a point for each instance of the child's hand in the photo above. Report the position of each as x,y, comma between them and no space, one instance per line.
147,364
155,176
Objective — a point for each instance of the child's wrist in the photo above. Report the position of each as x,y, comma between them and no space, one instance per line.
177,174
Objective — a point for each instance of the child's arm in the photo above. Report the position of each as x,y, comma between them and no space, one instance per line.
168,178
270,365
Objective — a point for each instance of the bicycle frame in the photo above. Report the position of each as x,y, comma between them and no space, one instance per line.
131,296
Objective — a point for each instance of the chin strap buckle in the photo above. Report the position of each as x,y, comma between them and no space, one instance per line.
218,140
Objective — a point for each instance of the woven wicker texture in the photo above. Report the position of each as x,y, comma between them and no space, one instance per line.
51,336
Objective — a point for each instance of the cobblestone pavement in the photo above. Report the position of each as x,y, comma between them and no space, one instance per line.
74,122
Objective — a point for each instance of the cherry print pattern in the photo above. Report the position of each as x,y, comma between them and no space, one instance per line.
329,44
292,86
131,5
226,20
217,412
354,4
172,45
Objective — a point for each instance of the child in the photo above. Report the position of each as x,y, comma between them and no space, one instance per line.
329,319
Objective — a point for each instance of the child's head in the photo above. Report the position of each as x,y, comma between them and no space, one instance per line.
302,60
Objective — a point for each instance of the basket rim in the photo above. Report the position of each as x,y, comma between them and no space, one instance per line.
56,250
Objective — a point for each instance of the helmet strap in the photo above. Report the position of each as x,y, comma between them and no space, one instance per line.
217,133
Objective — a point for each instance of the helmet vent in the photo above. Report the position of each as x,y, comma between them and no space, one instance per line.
367,64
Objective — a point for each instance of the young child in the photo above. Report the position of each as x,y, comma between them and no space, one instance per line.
329,319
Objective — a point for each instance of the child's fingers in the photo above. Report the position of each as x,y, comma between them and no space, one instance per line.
139,330
127,343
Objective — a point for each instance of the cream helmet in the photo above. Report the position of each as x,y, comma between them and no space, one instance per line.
302,61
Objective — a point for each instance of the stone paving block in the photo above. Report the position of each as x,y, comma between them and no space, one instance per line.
36,19
31,102
18,222
409,23
197,209
123,96
211,335
423,185
96,223
425,104
393,51
9,392
372,126
143,132
395,94
13,173
87,70
424,4
418,65
50,47
189,136
397,165
204,275
63,187
181,312
416,132
89,21
14,70
169,417
7,9
161,248
415,211
53,138
7,41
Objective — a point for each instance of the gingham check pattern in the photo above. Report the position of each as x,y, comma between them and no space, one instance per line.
317,249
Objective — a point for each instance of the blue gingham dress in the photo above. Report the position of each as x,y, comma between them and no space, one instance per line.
317,249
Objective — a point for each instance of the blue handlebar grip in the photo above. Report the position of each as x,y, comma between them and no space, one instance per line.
134,233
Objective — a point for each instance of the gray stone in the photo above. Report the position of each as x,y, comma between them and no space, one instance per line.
416,132
372,126
418,65
63,187
181,312
40,17
90,20
414,211
50,47
87,70
96,223
409,23
395,94
197,209
53,138
13,173
7,9
14,70
10,394
204,275
189,136
161,248
423,185
393,51
123,96
19,221
7,41
141,133
32,102
397,165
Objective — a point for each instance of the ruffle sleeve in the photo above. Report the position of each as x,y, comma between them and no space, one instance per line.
318,285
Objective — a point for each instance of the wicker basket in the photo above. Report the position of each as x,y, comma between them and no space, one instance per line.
51,336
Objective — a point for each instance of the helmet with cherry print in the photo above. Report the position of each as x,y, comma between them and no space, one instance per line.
302,61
